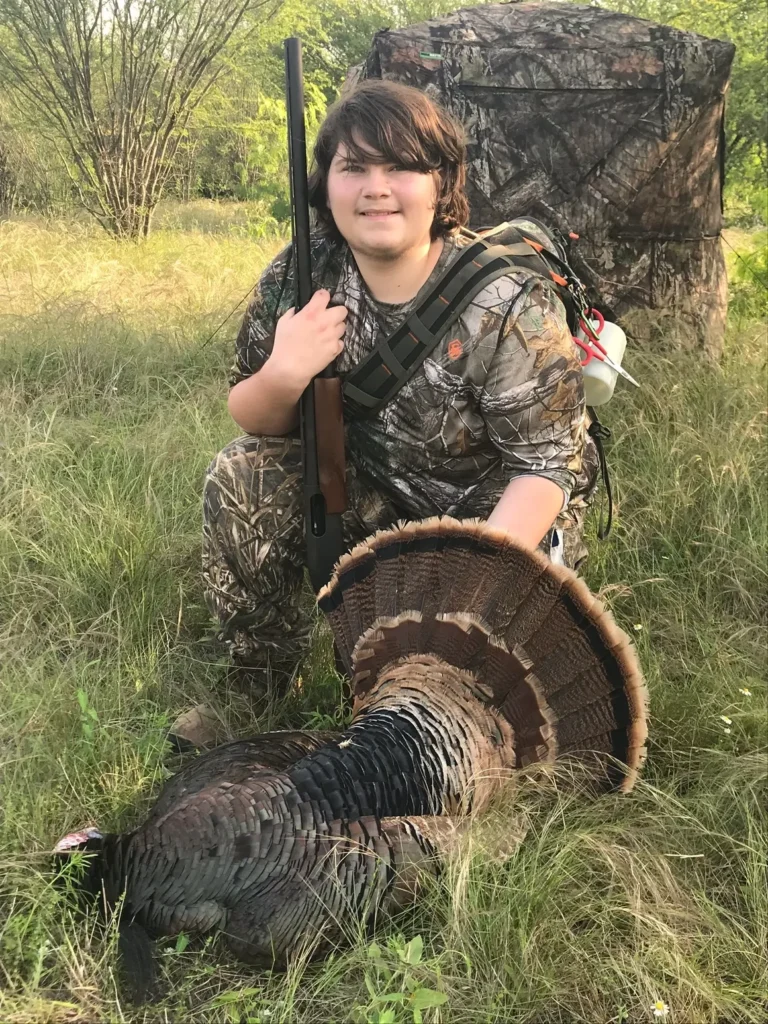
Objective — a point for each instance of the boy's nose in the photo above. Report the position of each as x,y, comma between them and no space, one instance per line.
377,180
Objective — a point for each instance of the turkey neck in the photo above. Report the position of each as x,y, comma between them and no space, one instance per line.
104,876
422,743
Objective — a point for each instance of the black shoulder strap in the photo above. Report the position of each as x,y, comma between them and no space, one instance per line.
377,378
599,433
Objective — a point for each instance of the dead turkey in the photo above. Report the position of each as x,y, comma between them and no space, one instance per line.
470,657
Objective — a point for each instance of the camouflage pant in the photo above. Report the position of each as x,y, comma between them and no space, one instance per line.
253,545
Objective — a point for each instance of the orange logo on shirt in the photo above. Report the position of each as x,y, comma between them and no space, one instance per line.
455,349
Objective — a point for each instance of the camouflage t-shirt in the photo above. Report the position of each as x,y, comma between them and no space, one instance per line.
501,395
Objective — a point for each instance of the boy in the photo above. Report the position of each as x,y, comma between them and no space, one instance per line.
492,425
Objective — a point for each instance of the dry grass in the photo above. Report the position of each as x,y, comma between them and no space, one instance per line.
72,268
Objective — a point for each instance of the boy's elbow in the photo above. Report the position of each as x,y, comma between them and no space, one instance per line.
239,410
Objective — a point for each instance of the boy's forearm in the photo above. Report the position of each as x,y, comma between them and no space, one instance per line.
527,509
266,403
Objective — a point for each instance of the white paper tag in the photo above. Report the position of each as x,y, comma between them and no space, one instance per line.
556,548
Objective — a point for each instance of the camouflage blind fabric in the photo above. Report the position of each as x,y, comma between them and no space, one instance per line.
595,122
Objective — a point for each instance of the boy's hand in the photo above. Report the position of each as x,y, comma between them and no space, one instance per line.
307,341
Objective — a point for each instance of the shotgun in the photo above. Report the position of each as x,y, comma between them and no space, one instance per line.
321,420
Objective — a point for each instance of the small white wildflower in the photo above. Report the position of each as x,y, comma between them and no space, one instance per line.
726,719
727,732
660,1008
638,627
745,691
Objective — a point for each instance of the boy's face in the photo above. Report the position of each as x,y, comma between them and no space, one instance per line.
381,210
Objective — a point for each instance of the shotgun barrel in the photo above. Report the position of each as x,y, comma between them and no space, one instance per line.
321,419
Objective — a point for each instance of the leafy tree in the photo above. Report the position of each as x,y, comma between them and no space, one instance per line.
30,172
114,83
236,145
237,139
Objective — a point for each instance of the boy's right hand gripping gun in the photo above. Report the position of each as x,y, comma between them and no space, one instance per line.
321,418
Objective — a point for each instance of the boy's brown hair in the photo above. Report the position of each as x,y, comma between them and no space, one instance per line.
407,129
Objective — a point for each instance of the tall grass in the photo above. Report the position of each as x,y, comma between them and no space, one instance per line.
111,407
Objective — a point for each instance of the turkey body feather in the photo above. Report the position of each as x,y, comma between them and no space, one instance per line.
470,656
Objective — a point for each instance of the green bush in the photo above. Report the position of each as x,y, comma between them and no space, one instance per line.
749,278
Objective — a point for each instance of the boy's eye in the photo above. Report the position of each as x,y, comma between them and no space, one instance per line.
355,168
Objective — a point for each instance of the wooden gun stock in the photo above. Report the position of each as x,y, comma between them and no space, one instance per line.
329,429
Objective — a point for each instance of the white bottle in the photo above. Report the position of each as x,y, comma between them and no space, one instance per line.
599,379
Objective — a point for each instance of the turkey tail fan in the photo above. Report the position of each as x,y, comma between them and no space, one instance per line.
542,648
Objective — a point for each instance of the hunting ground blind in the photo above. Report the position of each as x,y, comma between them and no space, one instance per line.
598,123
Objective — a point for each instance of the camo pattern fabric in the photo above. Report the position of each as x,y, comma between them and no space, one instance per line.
253,545
501,396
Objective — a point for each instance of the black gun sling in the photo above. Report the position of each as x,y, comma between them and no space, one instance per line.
379,376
